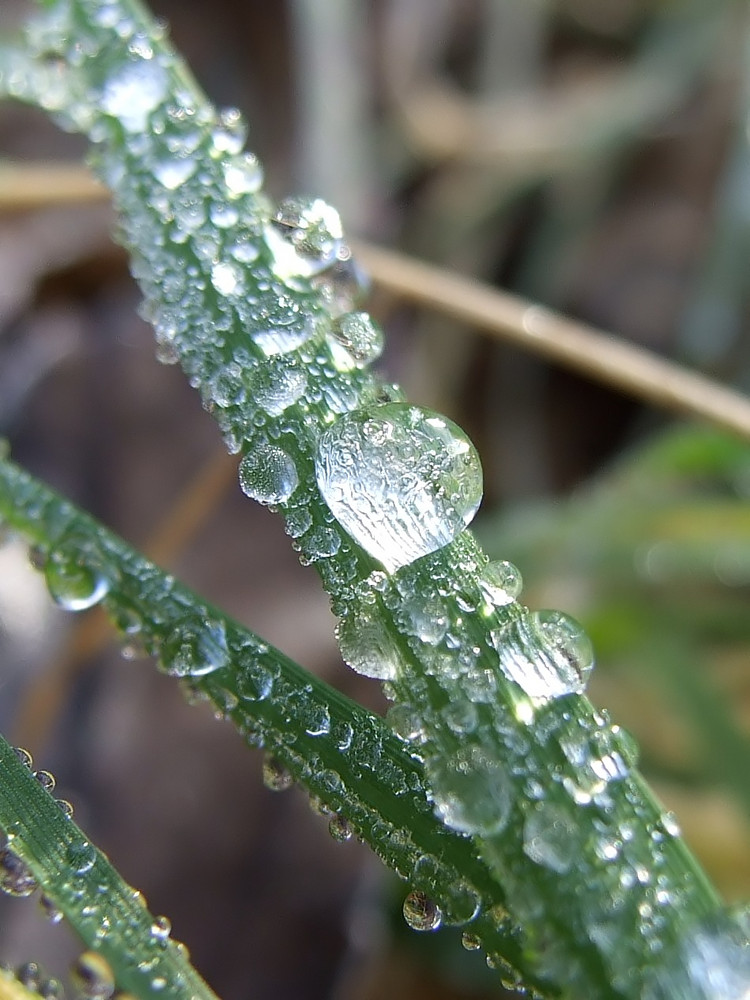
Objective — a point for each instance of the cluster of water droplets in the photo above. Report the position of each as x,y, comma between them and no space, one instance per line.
33,978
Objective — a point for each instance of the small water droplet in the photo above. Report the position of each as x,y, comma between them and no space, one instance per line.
367,646
50,909
268,474
277,384
243,174
30,975
401,480
340,828
24,756
172,172
229,134
470,941
276,777
161,928
66,808
51,989
501,583
15,876
425,619
421,913
546,653
194,647
461,716
73,583
80,856
405,721
304,237
226,278
134,93
46,779
92,976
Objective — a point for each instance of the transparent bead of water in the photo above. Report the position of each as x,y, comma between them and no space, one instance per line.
501,583
340,828
470,941
367,646
421,913
356,341
172,172
226,278
30,975
268,474
229,134
50,909
80,857
547,653
343,285
277,384
471,791
401,480
92,976
46,779
304,237
72,583
194,647
549,837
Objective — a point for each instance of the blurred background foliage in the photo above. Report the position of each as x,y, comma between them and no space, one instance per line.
589,155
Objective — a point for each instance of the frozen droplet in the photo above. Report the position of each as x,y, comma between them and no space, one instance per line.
74,583
254,681
226,278
461,716
549,837
304,237
277,384
425,619
92,976
15,876
134,93
276,777
501,583
355,341
281,338
546,653
268,474
80,856
471,791
193,647
367,645
297,521
243,174
421,913
403,481
340,828
317,721
405,721
322,543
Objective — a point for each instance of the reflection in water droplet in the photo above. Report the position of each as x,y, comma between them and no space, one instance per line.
304,237
268,474
367,646
501,582
470,941
277,384
403,481
356,341
72,583
420,913
471,791
80,856
546,653
15,877
133,93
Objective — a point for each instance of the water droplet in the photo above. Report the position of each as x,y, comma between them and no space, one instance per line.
254,681
134,93
461,716
546,653
46,779
51,989
420,913
173,172
317,721
243,174
470,941
322,543
50,909
276,777
24,756
92,976
80,856
501,583
344,285
30,974
403,481
471,791
367,645
304,237
277,384
161,928
405,721
268,474
226,278
15,877
72,583
66,808
340,828
194,646
356,341
229,134
549,837
460,903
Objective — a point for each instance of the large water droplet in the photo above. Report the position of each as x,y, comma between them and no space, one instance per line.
501,583
403,481
304,237
367,645
421,913
355,341
194,646
546,653
268,474
549,837
134,93
73,583
471,790
92,976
